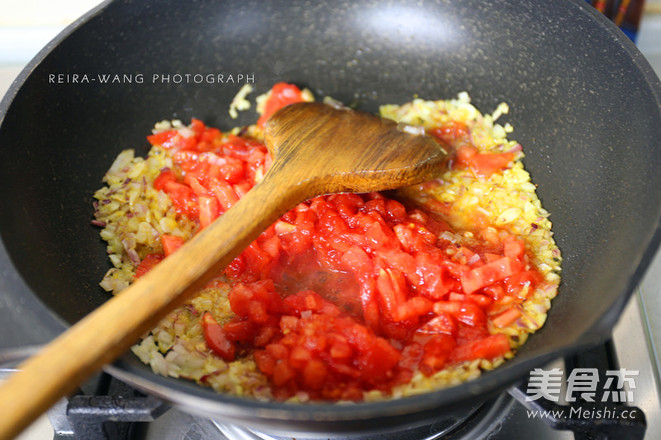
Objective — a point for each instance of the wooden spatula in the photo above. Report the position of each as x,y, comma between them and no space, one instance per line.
317,149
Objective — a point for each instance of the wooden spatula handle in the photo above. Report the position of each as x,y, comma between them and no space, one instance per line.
111,329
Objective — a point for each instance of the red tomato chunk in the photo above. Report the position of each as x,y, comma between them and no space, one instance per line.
347,292
281,95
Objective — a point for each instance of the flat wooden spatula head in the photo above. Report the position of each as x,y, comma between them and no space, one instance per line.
336,149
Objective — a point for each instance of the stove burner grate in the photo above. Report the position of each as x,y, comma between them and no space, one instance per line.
482,419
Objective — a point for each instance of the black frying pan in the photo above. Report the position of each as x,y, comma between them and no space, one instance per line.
584,103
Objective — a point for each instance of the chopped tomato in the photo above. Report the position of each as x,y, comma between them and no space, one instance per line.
186,158
450,132
162,137
209,210
489,347
506,317
255,301
441,323
516,284
283,373
183,198
171,243
197,126
482,164
216,338
240,330
496,270
225,194
514,248
392,292
436,353
166,175
194,183
282,94
466,312
147,263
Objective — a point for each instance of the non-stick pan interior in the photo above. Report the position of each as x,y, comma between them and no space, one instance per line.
584,104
